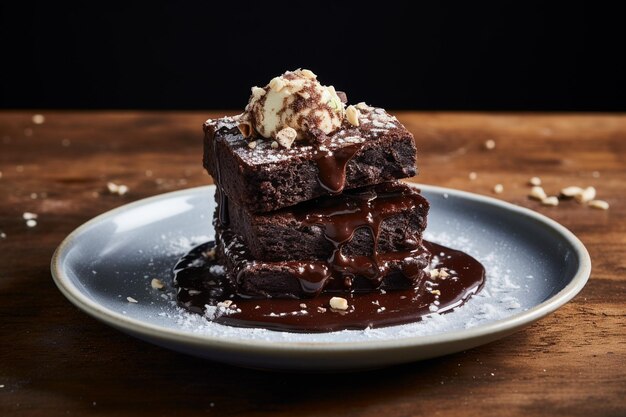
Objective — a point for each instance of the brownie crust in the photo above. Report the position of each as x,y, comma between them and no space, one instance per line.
282,235
263,178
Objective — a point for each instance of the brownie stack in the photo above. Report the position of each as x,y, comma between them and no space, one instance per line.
318,217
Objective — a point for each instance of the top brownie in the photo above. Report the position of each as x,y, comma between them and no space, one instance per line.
261,176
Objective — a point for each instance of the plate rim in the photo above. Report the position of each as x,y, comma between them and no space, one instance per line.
152,331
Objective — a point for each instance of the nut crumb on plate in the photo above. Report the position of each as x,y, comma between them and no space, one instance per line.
599,204
550,201
537,193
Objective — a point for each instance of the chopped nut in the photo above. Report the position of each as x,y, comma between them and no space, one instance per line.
277,83
443,273
550,201
157,284
338,303
599,204
535,181
473,176
112,187
252,144
286,137
131,300
490,144
308,74
38,119
31,223
117,189
361,106
29,216
434,273
498,188
246,129
302,305
352,114
225,303
274,145
538,193
257,93
321,309
586,195
436,292
571,191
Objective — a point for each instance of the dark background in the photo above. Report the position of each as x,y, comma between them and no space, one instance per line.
198,55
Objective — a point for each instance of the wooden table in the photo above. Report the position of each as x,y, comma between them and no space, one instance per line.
55,360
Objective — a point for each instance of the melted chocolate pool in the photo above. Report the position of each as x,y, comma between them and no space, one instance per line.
200,282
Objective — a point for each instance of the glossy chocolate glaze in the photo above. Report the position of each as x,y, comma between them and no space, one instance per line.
344,214
331,165
201,282
339,217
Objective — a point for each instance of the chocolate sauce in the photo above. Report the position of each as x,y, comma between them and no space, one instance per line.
331,165
201,282
367,208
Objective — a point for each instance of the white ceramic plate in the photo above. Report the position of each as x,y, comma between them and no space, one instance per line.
534,266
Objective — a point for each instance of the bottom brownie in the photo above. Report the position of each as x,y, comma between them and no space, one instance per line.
308,278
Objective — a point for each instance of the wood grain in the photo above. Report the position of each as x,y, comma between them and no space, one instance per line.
55,360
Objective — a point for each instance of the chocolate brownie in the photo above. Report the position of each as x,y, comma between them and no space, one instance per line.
305,279
260,176
294,233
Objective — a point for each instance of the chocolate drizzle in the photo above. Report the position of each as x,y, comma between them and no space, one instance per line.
331,165
341,216
201,282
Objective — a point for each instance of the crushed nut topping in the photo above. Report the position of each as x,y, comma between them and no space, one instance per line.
338,303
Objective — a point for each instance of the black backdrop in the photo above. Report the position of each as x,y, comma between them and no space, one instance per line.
187,55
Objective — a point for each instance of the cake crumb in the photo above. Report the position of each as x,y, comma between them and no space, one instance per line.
498,188
473,176
131,300
599,204
38,119
536,181
550,201
490,144
157,284
338,303
252,144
